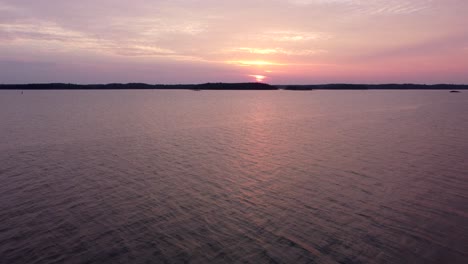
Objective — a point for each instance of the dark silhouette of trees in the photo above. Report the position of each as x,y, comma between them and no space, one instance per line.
229,86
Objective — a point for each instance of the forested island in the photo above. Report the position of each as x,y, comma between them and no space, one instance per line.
229,86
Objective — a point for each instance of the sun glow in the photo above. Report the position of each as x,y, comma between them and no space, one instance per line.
258,78
254,63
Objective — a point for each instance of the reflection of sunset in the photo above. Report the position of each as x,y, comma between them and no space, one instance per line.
258,78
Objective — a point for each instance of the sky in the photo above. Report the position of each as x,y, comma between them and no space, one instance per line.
198,41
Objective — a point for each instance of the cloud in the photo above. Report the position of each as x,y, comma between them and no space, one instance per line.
267,51
53,35
254,63
449,44
374,7
293,36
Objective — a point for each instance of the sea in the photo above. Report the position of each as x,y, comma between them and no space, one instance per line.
161,176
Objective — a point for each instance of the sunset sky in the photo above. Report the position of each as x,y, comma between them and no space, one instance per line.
195,41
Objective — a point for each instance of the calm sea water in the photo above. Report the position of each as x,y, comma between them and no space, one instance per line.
233,176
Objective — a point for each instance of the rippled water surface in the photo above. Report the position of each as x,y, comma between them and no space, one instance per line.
233,176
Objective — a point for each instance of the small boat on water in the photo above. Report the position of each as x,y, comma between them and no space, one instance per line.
455,91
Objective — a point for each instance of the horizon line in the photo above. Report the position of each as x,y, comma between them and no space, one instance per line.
230,83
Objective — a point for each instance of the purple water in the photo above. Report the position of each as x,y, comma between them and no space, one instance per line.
233,177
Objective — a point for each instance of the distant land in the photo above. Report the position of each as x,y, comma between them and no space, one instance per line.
229,86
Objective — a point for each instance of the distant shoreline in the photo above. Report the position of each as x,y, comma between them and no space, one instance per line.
229,86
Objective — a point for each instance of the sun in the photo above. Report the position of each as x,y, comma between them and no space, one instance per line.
258,78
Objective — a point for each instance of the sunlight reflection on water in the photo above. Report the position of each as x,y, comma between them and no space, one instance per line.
235,176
